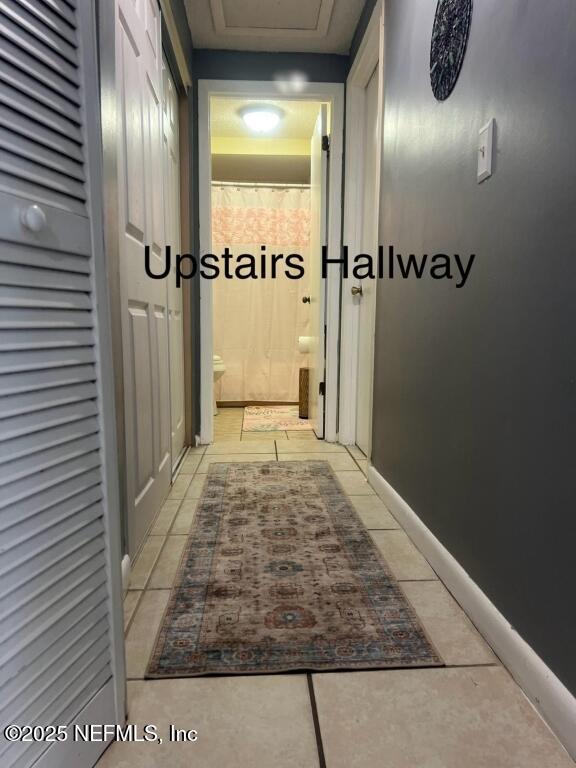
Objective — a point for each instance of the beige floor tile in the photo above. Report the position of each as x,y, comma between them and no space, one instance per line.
258,721
362,464
273,435
195,488
356,452
178,490
313,446
196,450
237,446
338,461
130,603
184,517
432,718
143,630
234,457
455,637
145,562
165,570
355,484
373,512
406,562
165,517
301,434
190,464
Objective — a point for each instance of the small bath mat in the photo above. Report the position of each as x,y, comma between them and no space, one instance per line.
259,418
280,574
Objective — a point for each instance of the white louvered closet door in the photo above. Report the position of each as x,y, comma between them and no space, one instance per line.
58,502
144,300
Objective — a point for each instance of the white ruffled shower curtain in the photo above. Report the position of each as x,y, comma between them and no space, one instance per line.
257,322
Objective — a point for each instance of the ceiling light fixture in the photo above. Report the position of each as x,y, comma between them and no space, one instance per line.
261,118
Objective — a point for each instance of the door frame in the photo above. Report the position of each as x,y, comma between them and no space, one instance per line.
333,94
370,54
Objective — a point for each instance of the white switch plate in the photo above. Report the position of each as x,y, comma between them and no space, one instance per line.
485,149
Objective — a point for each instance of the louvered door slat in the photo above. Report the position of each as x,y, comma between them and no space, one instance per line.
40,133
30,402
42,668
47,279
82,572
11,142
44,26
56,614
93,677
49,20
20,102
58,495
31,171
51,457
57,513
86,599
23,383
25,37
46,81
30,703
63,9
16,78
49,318
13,362
11,296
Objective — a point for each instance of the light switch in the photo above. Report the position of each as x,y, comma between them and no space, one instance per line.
485,149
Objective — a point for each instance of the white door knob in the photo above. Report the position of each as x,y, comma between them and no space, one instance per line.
33,218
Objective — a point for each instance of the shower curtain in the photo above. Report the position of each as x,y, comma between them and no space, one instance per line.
257,322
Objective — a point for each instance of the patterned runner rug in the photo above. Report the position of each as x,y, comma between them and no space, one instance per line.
263,418
280,574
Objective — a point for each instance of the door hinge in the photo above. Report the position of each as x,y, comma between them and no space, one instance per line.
321,388
326,143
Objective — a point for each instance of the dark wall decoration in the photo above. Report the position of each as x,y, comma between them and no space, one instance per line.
448,46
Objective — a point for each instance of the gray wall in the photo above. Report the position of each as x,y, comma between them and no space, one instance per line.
475,388
256,65
361,27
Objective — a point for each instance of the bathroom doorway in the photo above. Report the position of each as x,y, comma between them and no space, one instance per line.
263,166
261,205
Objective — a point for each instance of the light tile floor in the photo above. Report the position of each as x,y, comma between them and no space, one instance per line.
469,713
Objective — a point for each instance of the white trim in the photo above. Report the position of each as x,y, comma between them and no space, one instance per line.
180,56
370,55
103,343
126,567
548,694
333,93
321,29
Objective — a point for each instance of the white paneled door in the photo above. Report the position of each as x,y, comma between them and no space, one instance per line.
317,297
171,151
60,591
145,334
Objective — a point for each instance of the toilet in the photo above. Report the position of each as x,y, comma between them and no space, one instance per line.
219,369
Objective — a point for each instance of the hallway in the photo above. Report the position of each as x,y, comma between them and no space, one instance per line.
397,718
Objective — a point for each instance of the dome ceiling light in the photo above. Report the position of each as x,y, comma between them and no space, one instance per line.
261,118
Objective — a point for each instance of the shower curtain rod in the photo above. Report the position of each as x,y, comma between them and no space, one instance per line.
258,184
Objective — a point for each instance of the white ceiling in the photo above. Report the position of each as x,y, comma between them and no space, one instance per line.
320,26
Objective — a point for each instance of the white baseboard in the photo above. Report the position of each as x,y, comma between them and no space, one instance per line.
126,565
548,694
